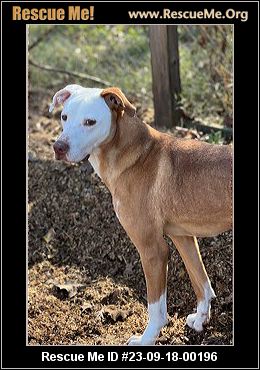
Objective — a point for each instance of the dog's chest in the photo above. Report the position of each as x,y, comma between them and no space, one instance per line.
94,161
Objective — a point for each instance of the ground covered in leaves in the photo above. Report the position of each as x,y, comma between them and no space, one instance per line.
86,284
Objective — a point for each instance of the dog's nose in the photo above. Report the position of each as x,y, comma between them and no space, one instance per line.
61,147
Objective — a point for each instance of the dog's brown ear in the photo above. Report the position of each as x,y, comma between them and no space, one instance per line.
117,101
62,95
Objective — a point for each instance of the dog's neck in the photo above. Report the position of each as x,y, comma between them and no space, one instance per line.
129,143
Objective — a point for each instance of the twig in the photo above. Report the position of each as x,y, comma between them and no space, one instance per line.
73,74
42,37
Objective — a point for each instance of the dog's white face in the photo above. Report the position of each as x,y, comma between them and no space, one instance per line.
85,119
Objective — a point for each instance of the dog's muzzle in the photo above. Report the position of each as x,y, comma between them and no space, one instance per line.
61,149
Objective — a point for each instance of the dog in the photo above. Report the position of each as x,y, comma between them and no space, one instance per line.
160,185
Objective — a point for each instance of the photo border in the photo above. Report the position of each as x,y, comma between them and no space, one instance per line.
205,5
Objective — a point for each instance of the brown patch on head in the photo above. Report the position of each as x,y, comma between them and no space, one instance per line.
117,101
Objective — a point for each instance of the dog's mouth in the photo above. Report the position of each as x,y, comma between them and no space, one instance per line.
63,157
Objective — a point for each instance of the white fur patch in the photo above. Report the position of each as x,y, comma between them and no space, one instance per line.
202,316
157,319
116,208
94,161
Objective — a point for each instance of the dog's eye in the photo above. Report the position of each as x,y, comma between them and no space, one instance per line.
89,122
64,117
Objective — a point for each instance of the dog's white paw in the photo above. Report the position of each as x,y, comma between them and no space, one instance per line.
197,320
138,340
202,316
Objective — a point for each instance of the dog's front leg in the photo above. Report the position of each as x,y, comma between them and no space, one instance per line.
154,258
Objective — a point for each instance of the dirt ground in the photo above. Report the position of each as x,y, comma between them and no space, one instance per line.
86,284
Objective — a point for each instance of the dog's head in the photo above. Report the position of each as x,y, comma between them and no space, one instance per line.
86,119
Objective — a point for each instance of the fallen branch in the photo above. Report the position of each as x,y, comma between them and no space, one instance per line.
82,76
206,129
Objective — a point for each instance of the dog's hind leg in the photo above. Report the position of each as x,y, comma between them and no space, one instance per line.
154,258
189,251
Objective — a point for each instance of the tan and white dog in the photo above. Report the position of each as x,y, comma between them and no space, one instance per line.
160,185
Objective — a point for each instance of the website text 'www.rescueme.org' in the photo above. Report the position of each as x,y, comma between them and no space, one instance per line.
189,14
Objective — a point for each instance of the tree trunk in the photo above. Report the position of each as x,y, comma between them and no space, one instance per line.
166,76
